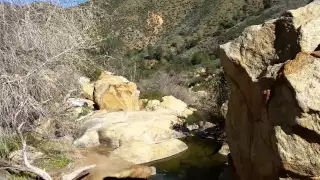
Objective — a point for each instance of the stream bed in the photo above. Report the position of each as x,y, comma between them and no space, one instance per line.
200,162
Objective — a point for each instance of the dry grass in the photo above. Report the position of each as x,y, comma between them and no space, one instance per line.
41,52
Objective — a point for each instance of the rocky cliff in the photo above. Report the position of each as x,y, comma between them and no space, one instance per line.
273,123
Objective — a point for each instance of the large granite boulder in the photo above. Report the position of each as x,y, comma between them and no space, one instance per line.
112,93
273,120
139,137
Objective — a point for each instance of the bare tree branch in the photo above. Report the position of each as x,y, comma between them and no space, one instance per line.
78,173
41,173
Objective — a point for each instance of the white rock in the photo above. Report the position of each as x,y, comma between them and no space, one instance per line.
83,80
173,104
79,102
153,105
224,149
192,127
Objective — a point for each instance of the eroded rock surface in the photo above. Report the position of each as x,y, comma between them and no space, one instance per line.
112,93
273,123
139,137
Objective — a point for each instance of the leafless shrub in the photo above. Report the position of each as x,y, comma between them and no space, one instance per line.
167,85
27,167
41,53
218,94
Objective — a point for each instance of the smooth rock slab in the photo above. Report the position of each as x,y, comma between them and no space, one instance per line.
140,152
118,128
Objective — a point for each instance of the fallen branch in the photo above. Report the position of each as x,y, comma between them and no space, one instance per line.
39,172
78,173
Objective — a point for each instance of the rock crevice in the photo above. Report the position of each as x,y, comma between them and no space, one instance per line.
273,123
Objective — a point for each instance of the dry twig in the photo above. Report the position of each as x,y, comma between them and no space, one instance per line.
27,167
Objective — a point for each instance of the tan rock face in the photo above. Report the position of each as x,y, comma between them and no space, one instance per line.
88,89
118,128
113,93
155,22
273,124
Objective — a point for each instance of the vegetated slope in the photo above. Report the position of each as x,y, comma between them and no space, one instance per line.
40,40
192,25
179,37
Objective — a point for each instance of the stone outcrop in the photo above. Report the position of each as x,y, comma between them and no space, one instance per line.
139,137
170,104
139,152
112,93
273,122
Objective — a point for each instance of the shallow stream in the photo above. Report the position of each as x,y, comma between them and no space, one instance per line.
200,162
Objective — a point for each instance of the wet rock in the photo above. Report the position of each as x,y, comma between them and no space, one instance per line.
135,172
192,127
224,109
227,173
224,149
206,125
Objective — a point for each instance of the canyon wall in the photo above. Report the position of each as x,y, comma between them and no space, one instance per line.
273,123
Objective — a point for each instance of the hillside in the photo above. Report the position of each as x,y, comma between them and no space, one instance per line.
164,43
203,23
133,76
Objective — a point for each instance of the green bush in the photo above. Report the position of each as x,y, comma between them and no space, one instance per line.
195,118
158,53
200,58
91,71
192,42
151,50
179,64
110,45
153,95
174,44
228,23
266,4
8,144
54,162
